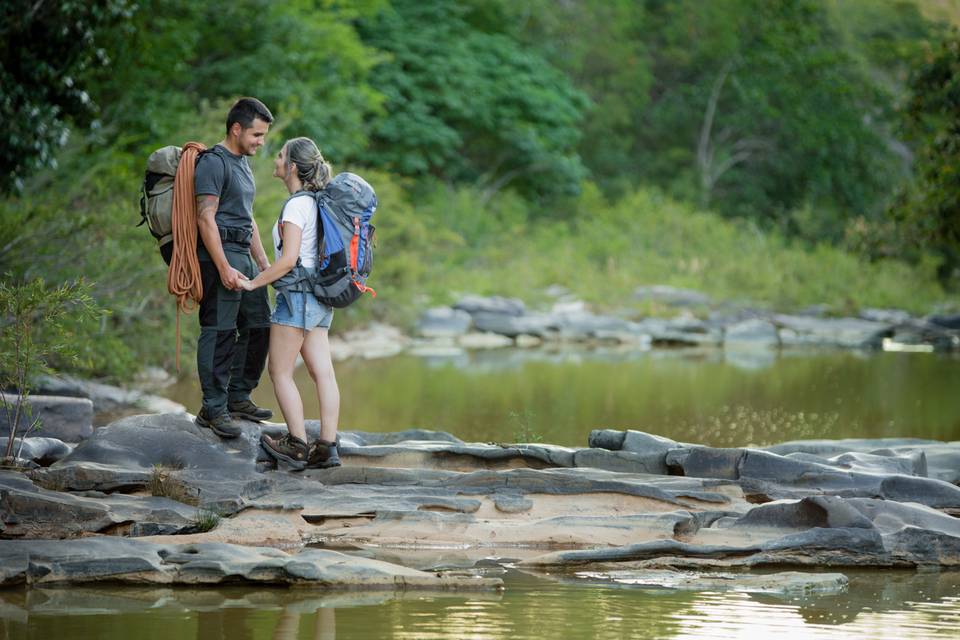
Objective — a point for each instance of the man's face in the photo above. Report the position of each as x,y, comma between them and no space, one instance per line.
251,138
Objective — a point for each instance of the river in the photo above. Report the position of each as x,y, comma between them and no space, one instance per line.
732,399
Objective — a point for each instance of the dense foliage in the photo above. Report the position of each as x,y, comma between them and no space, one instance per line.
787,152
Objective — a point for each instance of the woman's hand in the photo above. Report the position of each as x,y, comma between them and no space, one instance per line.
246,285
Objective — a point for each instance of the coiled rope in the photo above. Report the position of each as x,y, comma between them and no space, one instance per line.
183,276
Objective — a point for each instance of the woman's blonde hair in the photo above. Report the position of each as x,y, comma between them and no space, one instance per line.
313,171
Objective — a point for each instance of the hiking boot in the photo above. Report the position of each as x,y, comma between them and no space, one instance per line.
221,424
247,410
287,448
323,454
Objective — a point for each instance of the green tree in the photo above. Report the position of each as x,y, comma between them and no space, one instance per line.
929,210
302,58
35,329
599,45
46,49
757,109
470,105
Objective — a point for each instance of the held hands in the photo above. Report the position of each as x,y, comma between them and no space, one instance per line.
233,279
246,285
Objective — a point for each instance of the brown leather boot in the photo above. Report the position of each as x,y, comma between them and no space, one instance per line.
287,448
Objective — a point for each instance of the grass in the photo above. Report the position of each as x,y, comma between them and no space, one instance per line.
165,482
206,519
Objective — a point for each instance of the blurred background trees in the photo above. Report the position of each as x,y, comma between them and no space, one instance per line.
817,125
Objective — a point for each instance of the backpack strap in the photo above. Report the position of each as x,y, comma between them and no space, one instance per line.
226,169
280,219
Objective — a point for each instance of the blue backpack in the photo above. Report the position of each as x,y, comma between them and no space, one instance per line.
345,249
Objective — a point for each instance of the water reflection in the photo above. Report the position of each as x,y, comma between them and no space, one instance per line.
878,603
560,395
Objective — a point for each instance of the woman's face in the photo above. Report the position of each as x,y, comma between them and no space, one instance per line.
280,164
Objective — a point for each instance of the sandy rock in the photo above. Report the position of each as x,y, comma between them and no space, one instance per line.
376,341
485,340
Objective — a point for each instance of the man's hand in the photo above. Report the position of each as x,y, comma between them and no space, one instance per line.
232,279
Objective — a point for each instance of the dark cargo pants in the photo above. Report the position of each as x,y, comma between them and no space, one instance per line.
234,335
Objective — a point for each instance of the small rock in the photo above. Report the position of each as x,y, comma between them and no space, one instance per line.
495,304
671,296
484,341
443,322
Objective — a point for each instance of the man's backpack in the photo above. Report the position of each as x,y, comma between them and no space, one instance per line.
345,241
156,195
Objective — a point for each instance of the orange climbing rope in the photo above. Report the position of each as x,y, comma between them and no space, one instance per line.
183,276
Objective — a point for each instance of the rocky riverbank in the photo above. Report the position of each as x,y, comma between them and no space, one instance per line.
688,319
156,499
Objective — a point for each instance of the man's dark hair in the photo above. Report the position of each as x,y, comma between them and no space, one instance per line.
245,111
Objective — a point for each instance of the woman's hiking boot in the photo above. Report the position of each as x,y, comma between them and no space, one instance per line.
288,448
323,454
247,410
221,424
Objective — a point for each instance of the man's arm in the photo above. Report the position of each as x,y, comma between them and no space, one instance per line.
257,250
207,226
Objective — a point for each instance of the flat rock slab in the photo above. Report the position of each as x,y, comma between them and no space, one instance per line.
908,470
783,582
821,531
110,559
29,511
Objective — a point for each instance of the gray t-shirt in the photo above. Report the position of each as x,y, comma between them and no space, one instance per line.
236,200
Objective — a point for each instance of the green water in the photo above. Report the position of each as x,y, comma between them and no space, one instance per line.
705,397
889,604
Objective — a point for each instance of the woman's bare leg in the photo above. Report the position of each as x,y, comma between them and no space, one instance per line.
316,355
285,344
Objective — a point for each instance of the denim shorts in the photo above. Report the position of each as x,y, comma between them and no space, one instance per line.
301,310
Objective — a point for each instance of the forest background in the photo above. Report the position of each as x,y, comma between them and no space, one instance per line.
777,153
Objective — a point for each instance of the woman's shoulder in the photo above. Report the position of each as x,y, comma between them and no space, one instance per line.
300,204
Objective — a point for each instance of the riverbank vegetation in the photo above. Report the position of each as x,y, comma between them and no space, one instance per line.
780,154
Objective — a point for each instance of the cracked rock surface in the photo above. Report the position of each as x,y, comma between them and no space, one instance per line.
129,504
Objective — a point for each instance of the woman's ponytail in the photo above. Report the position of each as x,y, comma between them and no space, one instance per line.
314,172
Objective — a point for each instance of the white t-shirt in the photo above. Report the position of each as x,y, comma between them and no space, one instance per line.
301,211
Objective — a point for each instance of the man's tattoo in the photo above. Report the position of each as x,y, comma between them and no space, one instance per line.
207,205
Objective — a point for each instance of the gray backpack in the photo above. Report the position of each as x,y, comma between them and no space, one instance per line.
156,195
345,243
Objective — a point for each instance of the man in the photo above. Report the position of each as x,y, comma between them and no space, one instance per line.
234,324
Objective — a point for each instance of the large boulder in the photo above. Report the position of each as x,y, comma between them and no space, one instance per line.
753,333
510,324
444,322
42,451
851,333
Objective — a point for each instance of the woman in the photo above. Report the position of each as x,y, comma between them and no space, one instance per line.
300,323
